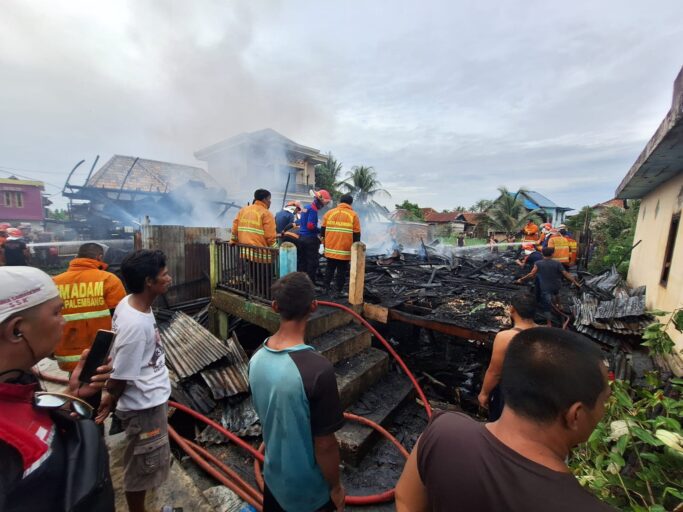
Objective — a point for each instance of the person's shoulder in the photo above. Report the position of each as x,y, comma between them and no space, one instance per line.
453,423
312,360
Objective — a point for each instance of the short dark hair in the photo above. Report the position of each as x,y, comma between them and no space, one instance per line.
294,294
137,266
90,250
548,251
546,370
346,199
261,194
525,305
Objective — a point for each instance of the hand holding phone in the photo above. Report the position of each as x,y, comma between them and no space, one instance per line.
101,346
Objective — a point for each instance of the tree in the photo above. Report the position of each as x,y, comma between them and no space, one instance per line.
363,185
576,223
507,213
456,209
413,209
327,175
57,214
481,206
613,233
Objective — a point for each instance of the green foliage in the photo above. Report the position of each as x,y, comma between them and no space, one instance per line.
634,457
507,214
613,233
57,214
362,183
327,176
575,224
481,206
413,209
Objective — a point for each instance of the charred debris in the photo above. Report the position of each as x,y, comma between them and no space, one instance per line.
470,289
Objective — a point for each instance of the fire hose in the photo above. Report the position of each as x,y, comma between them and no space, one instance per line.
234,482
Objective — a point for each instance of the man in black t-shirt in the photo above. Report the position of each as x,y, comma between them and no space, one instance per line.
555,388
549,273
16,250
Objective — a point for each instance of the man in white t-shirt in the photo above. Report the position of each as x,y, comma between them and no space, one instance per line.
139,386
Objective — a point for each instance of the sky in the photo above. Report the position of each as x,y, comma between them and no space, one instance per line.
447,100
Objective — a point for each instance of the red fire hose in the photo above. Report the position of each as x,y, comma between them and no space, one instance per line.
230,479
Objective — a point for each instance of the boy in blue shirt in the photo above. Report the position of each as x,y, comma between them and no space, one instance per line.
295,394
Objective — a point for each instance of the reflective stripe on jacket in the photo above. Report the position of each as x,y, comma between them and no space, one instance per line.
255,225
573,250
88,292
561,246
340,224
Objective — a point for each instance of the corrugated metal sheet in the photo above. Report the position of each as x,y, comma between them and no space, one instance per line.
189,347
192,350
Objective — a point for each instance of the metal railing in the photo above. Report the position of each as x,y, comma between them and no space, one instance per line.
246,269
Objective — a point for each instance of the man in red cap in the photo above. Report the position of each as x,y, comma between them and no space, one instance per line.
16,250
308,251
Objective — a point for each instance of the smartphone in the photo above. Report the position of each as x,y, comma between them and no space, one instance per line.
99,351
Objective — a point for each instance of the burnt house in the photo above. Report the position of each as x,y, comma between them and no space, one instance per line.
263,159
127,189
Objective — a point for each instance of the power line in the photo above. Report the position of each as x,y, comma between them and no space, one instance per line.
11,172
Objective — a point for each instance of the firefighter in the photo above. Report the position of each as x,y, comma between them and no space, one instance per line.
545,233
287,217
309,233
292,236
17,253
90,295
255,226
560,245
573,245
340,228
530,232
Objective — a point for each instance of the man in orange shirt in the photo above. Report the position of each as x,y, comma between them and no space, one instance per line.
340,228
90,294
531,232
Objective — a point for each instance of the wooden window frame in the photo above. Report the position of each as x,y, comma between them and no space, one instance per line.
670,246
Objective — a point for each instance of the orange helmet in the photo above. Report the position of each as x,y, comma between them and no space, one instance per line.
14,232
528,247
323,195
547,226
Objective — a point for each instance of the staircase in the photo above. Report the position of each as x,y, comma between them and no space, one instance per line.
366,386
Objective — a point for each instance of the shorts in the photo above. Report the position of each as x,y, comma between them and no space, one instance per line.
546,303
147,459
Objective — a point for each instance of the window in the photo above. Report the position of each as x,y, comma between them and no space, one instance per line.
12,199
670,245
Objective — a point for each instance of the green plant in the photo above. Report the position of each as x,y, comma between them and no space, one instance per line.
507,214
634,457
613,233
413,209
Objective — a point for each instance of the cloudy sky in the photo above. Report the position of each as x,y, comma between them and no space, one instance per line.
446,100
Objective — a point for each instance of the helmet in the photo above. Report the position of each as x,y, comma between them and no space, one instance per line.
528,247
295,204
547,226
4,226
323,195
562,226
14,232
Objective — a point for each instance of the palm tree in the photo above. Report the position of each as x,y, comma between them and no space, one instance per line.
327,175
507,214
363,185
481,206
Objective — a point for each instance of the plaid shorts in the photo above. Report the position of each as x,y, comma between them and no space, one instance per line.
146,461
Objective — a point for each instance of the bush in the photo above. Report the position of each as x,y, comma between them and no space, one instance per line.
634,458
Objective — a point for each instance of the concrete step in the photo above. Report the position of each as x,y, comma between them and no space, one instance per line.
379,404
225,302
325,319
343,342
358,373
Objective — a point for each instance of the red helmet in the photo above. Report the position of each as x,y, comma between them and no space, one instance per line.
295,204
323,195
4,226
547,226
528,247
14,232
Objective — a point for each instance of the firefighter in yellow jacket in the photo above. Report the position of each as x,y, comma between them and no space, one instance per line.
90,294
255,226
340,228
